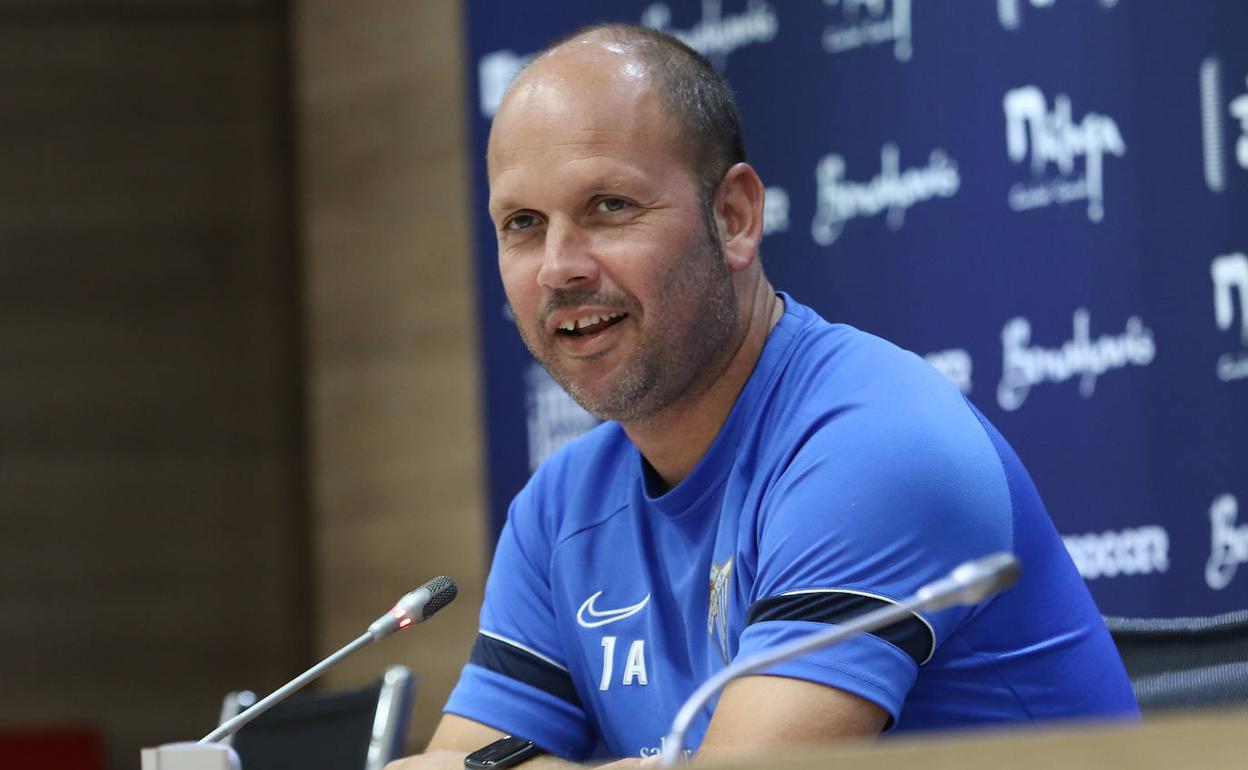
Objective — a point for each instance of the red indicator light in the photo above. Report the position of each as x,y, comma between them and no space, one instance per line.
405,622
398,611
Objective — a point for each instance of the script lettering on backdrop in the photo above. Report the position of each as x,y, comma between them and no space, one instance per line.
1229,546
775,210
1213,126
1024,366
955,364
718,34
1010,12
715,37
1230,280
1052,137
869,22
495,71
1135,551
552,418
893,191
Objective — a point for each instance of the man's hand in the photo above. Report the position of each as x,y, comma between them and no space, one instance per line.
754,715
457,737
436,759
443,759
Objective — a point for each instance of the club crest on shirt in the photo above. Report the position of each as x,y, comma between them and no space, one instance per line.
717,606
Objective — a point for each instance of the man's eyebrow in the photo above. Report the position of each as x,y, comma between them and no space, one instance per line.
613,186
500,204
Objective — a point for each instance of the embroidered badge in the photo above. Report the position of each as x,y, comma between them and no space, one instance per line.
717,606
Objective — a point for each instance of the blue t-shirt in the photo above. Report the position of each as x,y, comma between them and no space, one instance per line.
848,474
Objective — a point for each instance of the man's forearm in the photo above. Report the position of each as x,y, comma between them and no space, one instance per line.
441,759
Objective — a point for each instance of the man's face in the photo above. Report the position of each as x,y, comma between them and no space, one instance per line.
607,253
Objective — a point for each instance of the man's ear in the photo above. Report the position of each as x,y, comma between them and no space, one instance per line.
739,215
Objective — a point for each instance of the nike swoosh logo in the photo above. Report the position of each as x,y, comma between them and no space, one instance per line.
598,617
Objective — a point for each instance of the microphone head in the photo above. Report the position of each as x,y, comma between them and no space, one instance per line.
442,591
415,607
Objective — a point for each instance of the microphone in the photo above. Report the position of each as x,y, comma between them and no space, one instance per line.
969,583
415,607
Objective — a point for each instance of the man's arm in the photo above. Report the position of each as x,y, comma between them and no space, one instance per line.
457,737
756,714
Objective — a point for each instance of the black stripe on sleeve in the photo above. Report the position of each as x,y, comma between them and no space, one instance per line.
523,666
912,636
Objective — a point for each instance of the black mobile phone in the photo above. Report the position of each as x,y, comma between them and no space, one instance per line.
504,752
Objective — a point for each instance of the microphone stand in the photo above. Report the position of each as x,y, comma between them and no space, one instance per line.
207,754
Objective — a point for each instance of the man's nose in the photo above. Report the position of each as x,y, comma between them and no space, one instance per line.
567,259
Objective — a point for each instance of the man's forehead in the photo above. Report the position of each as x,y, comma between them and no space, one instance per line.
561,106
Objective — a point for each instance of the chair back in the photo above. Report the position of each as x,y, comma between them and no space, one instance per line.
355,730
1185,663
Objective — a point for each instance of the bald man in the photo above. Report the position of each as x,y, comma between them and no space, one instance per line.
761,473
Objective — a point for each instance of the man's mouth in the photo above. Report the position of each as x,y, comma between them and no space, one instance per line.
589,325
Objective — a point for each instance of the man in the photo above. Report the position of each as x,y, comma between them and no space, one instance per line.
763,473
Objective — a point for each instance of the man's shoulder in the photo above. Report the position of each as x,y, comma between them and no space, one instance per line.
876,411
837,369
582,481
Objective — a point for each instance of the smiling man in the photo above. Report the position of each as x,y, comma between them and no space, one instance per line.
761,474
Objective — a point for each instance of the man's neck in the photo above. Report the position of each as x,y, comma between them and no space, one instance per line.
676,439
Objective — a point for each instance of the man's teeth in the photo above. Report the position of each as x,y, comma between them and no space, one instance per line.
588,320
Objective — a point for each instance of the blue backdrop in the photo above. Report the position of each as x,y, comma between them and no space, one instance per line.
1046,198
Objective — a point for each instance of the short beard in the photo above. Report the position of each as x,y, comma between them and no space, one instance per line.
683,363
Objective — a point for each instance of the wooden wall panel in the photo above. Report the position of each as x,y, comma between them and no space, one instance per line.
152,531
392,357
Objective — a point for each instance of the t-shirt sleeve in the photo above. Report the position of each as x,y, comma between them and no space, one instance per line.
864,514
517,680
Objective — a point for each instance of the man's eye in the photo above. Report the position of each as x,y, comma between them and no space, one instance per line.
519,222
613,204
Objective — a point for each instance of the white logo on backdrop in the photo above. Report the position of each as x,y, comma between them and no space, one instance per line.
1010,12
495,71
1053,137
775,210
1230,278
1213,125
552,417
1135,551
1229,543
1025,366
955,364
870,22
715,36
718,34
892,190
1239,110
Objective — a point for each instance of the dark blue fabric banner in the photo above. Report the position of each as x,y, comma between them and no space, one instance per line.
1046,198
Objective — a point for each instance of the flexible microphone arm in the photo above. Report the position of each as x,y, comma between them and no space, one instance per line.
415,607
969,583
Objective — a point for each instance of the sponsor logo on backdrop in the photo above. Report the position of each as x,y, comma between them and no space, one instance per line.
892,191
1134,551
1229,546
1213,131
1026,365
775,210
955,364
1010,12
495,71
1230,280
552,417
715,36
718,34
865,23
1052,137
